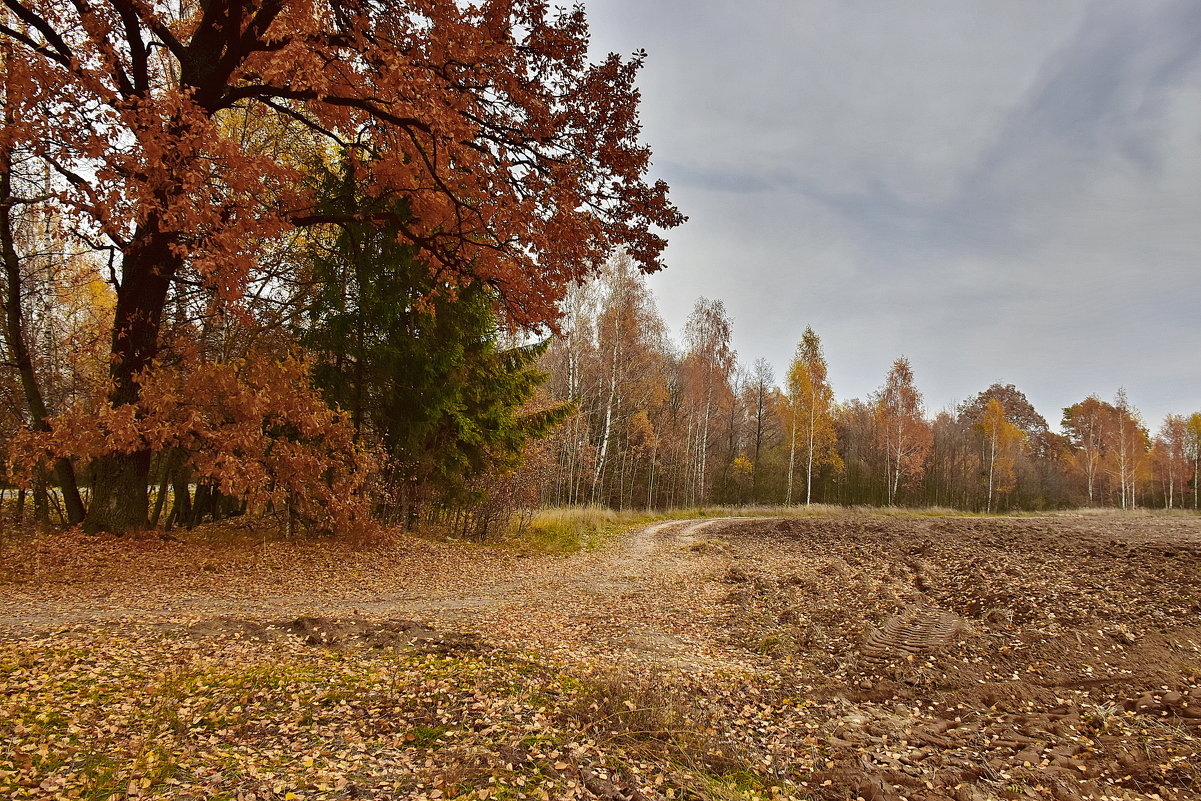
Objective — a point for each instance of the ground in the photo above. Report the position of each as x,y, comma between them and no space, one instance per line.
836,656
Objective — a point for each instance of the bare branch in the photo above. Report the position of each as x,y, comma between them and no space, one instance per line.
44,28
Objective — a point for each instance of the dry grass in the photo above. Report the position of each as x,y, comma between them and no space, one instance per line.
567,529
572,528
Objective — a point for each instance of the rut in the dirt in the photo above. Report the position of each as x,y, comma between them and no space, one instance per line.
915,632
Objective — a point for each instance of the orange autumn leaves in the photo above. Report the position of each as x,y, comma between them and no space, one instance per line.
1002,442
520,160
255,429
905,436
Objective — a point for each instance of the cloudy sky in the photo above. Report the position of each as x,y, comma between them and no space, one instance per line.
1000,191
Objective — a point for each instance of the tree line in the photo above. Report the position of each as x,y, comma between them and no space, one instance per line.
659,425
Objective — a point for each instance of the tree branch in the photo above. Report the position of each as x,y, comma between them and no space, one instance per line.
105,48
43,27
137,48
305,121
33,45
265,92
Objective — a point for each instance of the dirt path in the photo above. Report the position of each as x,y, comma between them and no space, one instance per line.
646,555
639,594
652,597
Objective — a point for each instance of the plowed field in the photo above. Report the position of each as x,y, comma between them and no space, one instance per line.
984,658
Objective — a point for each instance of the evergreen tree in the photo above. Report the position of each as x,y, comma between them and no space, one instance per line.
415,360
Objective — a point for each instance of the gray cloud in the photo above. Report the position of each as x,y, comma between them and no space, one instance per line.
1001,191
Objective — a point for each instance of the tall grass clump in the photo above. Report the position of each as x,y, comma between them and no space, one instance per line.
567,529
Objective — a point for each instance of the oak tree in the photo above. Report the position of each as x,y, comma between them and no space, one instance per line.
519,159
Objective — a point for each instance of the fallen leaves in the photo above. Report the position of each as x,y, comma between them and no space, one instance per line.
156,716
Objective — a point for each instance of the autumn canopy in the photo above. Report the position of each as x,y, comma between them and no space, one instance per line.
179,144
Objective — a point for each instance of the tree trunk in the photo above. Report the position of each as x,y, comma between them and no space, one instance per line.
809,462
181,504
292,519
791,458
119,493
689,477
64,471
992,463
1089,475
164,485
602,456
121,484
650,479
760,389
701,487
41,500
895,486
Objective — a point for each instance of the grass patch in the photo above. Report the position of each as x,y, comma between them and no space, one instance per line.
573,528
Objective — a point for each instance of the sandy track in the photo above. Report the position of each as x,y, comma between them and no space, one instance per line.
636,575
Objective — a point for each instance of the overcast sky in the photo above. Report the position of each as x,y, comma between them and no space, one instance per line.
1001,191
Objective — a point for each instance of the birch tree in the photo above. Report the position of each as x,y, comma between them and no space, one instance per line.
954,462
760,387
811,402
630,348
1088,426
1129,449
1193,451
1001,442
1169,458
904,433
711,359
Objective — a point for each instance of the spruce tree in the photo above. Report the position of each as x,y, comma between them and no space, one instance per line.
416,360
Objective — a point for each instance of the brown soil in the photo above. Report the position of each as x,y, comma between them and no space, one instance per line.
855,656
982,658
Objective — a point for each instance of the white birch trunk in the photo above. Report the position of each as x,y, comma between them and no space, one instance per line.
791,459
